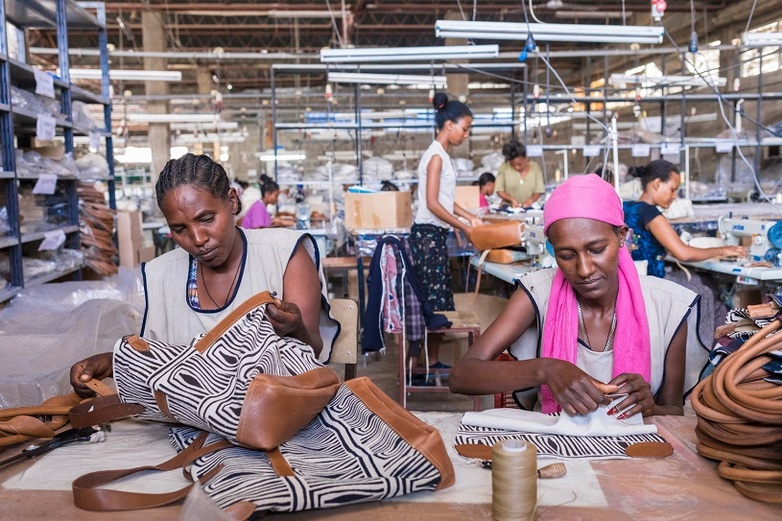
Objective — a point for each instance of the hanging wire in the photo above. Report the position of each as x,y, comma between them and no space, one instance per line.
334,24
461,9
532,12
624,14
751,12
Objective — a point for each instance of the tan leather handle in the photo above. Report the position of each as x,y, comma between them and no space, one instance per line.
88,495
102,409
245,307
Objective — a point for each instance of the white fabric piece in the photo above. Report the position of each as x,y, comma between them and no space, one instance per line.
596,423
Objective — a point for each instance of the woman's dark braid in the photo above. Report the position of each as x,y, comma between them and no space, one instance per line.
199,171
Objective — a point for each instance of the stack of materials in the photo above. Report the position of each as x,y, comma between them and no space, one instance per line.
96,228
739,408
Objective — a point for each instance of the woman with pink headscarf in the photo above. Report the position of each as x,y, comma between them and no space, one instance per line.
592,326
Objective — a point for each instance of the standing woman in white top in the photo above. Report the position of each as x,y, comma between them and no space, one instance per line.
437,213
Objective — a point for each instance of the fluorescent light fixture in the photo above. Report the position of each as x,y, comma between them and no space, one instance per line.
401,54
184,139
665,81
172,118
135,155
126,74
549,32
298,13
268,155
762,39
597,15
386,79
219,125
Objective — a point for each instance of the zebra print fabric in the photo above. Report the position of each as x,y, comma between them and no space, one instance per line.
558,446
346,455
206,390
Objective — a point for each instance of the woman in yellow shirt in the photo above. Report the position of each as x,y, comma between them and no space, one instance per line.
519,180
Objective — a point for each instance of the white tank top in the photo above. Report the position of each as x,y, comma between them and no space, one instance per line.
447,186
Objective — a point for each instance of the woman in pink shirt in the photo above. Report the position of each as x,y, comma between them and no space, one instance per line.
258,216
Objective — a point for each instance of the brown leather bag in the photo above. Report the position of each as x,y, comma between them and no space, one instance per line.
497,235
240,380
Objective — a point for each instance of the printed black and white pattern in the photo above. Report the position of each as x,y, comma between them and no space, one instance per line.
346,455
206,390
558,446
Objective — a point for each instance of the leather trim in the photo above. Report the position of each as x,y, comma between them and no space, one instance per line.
279,463
137,343
277,407
162,403
421,436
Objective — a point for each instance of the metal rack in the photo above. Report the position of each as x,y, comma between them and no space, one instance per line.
18,122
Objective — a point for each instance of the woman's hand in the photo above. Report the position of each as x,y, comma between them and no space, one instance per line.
476,221
639,396
95,367
733,251
286,319
575,391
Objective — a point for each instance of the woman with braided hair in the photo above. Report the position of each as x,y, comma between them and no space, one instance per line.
218,266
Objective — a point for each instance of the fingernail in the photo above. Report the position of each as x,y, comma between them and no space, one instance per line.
622,416
612,411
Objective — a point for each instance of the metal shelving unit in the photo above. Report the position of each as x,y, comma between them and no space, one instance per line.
20,123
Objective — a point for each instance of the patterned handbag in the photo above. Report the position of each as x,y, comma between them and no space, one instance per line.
362,447
240,380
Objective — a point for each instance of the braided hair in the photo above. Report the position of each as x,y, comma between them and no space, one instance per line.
198,171
448,110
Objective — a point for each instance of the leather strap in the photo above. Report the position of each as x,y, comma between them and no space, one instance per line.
88,495
206,341
102,409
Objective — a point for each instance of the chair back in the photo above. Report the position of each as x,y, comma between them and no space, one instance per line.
345,350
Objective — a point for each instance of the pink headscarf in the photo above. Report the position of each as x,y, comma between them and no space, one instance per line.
590,197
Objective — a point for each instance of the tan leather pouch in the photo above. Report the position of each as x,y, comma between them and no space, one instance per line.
497,235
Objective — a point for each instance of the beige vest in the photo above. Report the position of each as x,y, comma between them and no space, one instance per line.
668,305
168,315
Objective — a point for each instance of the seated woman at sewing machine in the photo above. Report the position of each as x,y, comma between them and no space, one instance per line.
652,238
590,327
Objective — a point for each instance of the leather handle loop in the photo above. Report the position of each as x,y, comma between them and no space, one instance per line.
88,495
206,341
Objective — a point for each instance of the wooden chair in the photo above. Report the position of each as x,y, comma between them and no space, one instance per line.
505,400
345,350
464,322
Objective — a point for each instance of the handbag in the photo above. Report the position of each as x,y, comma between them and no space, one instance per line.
20,424
497,234
240,380
362,447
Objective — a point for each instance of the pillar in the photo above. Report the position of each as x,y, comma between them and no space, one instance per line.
154,39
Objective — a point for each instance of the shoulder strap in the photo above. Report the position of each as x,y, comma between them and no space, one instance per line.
88,495
245,307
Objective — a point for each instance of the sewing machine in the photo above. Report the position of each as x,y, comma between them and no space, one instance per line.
537,246
734,229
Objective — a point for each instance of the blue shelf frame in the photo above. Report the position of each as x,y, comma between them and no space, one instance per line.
58,15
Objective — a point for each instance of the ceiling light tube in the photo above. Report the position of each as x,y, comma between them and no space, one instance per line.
401,54
667,80
386,79
172,118
130,75
762,39
220,125
269,155
549,32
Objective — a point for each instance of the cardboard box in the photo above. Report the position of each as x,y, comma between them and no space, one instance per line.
130,239
380,210
468,197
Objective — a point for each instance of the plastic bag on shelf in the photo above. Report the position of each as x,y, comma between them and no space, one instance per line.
92,166
492,162
463,166
82,117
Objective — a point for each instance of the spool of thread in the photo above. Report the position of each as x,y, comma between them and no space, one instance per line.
514,480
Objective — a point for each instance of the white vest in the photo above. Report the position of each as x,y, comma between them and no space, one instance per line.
447,186
667,306
169,317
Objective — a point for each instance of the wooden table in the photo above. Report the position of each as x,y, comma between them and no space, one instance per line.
684,486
